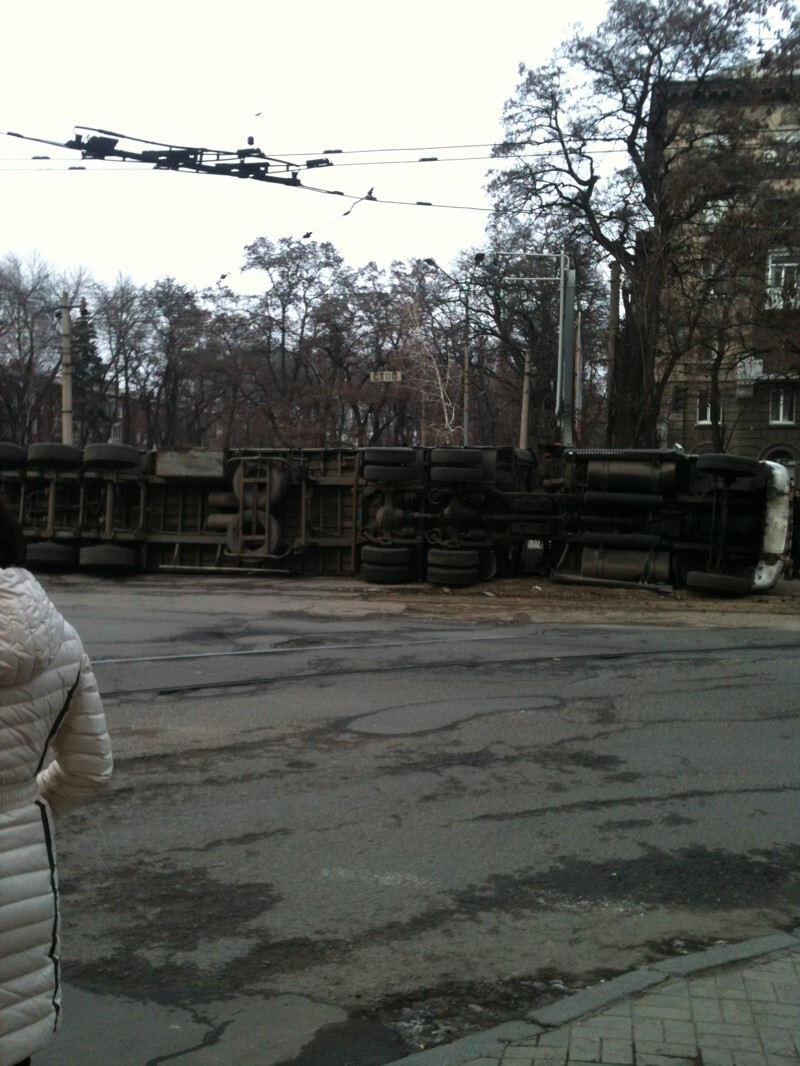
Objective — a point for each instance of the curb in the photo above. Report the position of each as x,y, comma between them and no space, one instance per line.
488,1042
591,1000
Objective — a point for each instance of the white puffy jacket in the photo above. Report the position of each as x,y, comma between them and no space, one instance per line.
50,709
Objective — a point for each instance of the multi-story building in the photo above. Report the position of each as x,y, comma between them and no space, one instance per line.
736,303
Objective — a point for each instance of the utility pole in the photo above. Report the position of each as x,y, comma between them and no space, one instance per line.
526,399
66,371
564,276
465,433
568,360
613,329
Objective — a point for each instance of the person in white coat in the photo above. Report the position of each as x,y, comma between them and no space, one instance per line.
54,754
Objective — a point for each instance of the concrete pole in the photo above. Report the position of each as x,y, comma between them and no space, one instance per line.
66,371
613,322
568,362
562,285
466,367
526,399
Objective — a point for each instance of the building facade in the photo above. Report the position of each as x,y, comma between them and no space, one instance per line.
735,305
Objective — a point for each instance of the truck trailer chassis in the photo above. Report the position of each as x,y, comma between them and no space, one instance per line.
450,516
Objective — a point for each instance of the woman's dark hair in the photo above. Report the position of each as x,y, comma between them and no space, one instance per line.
12,542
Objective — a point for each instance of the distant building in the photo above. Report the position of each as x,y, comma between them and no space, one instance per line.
736,304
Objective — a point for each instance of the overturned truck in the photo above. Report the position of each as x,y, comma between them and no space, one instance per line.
449,516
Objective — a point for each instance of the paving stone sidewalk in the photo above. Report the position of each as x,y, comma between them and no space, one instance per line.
733,1005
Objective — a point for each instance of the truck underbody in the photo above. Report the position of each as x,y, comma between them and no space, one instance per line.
450,516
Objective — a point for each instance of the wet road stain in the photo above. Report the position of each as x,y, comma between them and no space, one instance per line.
696,877
356,1041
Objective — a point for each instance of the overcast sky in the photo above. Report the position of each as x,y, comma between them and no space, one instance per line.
300,77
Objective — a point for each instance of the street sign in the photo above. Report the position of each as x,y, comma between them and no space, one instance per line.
386,375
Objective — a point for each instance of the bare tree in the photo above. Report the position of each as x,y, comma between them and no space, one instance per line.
121,332
29,346
429,380
175,389
600,137
230,358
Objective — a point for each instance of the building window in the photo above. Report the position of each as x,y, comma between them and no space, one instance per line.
116,433
715,278
679,396
715,211
783,274
705,410
781,407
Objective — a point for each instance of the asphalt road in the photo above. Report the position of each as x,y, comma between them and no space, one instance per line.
390,829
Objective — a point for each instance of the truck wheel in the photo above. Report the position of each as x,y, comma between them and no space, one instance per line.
379,574
12,456
450,575
388,473
462,558
55,456
454,566
386,555
48,553
110,457
390,456
108,557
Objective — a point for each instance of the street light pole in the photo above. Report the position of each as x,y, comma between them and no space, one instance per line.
567,358
465,423
565,374
526,399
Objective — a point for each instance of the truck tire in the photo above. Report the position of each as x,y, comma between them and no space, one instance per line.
453,566
388,473
55,456
111,457
379,574
47,554
450,575
108,557
390,456
462,558
386,555
12,456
